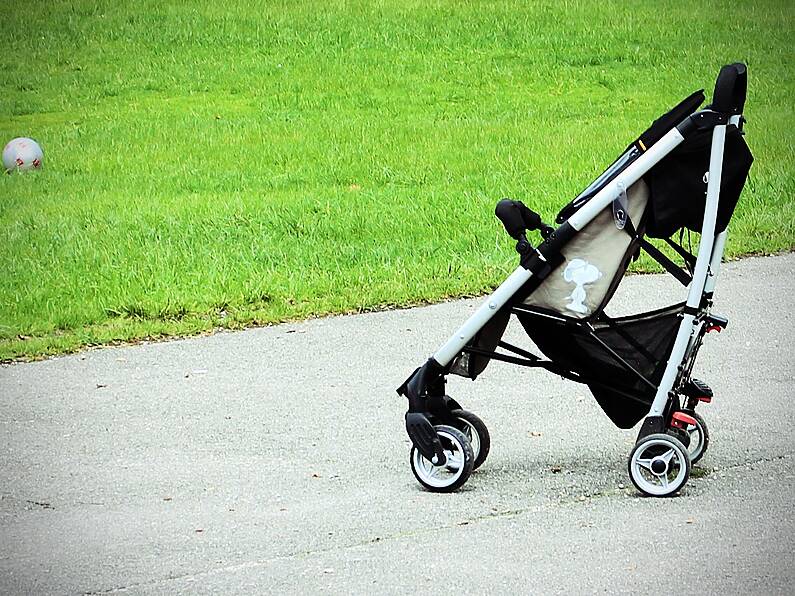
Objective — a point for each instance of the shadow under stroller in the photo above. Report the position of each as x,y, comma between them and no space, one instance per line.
685,172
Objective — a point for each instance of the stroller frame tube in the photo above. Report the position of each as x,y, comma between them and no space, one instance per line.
714,265
709,287
707,254
625,179
720,239
482,315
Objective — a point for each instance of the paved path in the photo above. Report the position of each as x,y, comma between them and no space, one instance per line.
275,460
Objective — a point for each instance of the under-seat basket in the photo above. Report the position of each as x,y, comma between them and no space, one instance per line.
595,351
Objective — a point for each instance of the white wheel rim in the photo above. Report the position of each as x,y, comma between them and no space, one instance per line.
696,440
648,459
471,433
441,476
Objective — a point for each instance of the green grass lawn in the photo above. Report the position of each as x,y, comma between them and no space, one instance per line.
220,164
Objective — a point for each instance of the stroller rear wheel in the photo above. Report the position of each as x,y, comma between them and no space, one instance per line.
659,465
475,430
699,437
456,470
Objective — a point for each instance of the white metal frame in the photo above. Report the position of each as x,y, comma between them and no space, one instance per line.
720,240
712,272
689,327
709,287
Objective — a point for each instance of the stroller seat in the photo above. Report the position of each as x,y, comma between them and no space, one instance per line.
594,261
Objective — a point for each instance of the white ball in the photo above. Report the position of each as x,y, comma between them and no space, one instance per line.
22,154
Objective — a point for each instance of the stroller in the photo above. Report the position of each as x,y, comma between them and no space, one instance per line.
685,172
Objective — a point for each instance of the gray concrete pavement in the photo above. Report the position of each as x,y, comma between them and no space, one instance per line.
275,460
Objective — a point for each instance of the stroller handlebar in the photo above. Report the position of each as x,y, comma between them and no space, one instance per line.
730,89
517,219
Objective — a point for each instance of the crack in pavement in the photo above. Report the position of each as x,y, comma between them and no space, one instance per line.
308,553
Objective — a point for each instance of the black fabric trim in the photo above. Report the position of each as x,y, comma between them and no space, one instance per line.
671,119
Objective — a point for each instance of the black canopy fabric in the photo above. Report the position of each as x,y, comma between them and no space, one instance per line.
667,121
678,184
635,149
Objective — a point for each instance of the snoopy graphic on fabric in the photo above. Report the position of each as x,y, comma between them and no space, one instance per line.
580,272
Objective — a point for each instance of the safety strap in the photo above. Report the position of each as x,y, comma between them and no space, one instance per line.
680,274
625,222
689,258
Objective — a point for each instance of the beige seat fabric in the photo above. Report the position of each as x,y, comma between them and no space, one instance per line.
593,258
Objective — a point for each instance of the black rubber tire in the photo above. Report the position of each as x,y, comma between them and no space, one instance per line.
681,434
464,418
469,459
697,454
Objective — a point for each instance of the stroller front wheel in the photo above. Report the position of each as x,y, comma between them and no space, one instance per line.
659,465
456,470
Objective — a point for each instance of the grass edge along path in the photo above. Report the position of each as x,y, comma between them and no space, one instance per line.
131,331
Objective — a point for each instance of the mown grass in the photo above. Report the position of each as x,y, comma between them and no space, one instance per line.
235,163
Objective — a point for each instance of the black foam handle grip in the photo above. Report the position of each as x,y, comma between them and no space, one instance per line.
532,220
730,89
517,218
510,216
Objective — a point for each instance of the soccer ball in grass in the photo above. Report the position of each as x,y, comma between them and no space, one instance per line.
22,154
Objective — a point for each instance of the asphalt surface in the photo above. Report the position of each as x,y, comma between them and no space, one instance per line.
274,460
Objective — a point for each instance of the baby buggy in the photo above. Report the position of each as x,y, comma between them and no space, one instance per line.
685,172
